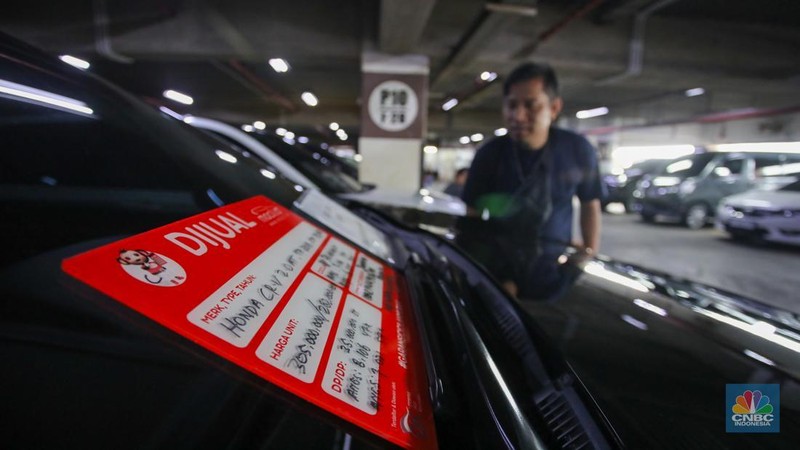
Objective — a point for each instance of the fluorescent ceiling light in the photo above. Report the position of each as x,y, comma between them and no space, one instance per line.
267,174
695,92
678,166
358,158
279,65
634,322
464,140
173,114
430,149
477,137
43,97
75,62
178,97
259,125
597,269
225,156
500,132
280,131
309,98
302,140
761,147
650,307
333,126
248,128
588,113
289,135
667,181
488,76
522,10
450,104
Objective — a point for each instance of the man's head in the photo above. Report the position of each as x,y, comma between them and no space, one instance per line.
531,103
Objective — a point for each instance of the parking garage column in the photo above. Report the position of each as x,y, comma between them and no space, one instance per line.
393,119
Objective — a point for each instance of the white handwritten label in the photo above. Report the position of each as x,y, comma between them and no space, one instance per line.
335,261
367,281
344,222
236,310
296,342
354,364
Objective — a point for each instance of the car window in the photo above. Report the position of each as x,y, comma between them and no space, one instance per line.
48,147
319,169
730,167
79,161
688,167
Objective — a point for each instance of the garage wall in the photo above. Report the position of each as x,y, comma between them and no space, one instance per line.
779,128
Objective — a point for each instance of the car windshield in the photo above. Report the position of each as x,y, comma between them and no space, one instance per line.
687,167
316,166
109,167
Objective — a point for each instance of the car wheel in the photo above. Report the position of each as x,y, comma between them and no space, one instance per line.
630,204
648,217
696,216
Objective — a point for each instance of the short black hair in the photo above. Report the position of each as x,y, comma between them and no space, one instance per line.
462,170
531,71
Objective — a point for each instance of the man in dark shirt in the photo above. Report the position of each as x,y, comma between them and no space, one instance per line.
543,166
457,186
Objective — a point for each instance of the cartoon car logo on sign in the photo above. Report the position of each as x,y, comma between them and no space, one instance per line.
151,268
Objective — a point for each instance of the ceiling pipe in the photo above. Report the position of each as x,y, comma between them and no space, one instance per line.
102,43
636,52
254,80
527,50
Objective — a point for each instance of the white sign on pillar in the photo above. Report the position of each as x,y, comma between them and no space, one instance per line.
393,119
393,106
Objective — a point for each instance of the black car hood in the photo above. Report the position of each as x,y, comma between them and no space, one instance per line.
656,353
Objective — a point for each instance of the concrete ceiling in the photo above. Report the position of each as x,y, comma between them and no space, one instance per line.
637,57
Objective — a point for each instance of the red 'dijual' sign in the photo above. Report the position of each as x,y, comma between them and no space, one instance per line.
282,298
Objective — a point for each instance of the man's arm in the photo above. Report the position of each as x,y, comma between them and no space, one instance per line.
590,224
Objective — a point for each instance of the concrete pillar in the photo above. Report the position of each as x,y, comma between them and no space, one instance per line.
394,115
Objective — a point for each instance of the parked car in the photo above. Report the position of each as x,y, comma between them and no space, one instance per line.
769,215
621,187
316,171
150,275
689,188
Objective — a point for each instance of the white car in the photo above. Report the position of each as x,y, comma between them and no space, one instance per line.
312,174
768,215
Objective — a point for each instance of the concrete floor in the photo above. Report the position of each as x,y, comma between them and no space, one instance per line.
768,273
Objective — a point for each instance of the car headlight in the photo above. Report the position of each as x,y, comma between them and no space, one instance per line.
666,181
687,187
